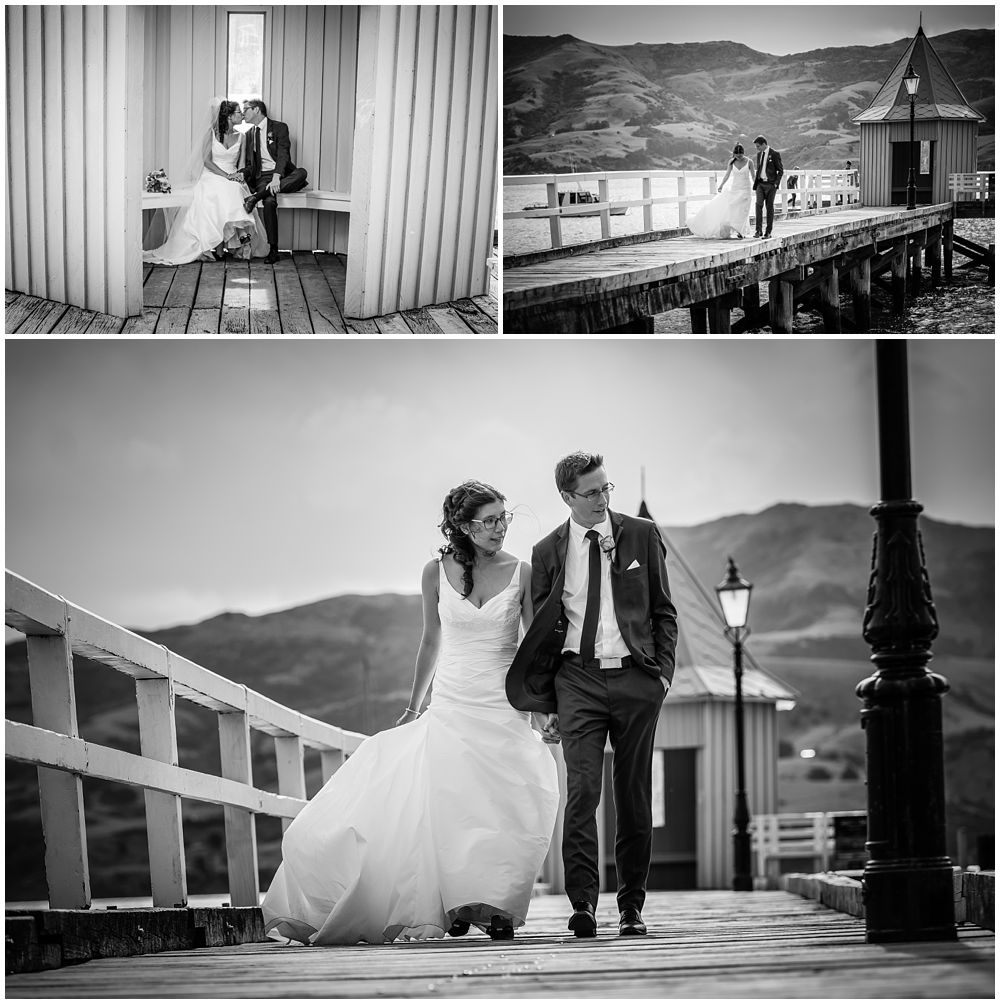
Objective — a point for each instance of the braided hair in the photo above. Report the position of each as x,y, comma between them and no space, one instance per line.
460,505
222,123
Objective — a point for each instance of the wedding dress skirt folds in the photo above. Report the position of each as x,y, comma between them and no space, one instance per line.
729,212
215,216
446,818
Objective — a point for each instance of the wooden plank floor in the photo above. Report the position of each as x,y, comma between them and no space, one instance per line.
701,945
301,294
609,269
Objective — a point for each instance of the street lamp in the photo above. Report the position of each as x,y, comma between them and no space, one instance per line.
911,80
734,597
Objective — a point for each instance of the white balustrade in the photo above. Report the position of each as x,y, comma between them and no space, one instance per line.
814,190
56,631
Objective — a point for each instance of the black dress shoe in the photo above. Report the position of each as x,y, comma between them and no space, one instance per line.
501,928
758,235
249,204
272,258
583,923
458,928
630,923
767,235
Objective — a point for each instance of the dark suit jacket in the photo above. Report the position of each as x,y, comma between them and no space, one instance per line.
772,169
279,147
646,617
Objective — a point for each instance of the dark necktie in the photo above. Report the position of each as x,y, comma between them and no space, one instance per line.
760,164
256,151
593,611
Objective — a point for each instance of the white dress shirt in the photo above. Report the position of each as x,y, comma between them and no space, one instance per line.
609,643
763,164
266,160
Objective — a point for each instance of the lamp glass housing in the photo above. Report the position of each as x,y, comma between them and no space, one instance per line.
911,80
734,596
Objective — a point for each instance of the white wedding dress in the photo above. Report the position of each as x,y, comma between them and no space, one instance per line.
729,212
445,818
216,215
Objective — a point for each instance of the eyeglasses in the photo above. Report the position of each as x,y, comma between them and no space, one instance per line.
590,496
490,523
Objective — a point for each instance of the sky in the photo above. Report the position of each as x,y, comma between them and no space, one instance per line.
161,482
776,29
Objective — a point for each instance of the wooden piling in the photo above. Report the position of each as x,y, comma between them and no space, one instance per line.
637,326
829,302
781,300
899,277
932,260
948,236
699,319
862,293
719,316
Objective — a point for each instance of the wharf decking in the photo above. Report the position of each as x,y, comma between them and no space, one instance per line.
701,945
301,294
618,285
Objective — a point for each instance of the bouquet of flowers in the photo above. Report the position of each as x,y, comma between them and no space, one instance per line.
156,181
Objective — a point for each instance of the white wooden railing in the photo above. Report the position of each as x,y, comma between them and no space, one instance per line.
796,835
976,186
56,630
814,189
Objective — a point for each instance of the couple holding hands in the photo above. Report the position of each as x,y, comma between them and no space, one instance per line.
443,822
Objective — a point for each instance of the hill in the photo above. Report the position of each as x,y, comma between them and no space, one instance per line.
571,104
810,570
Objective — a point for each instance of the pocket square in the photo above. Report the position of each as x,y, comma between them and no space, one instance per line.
635,564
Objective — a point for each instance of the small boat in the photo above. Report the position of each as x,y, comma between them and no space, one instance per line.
580,198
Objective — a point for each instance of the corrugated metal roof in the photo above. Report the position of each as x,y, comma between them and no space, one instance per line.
938,96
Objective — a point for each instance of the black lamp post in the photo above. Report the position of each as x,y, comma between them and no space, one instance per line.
734,597
909,892
912,81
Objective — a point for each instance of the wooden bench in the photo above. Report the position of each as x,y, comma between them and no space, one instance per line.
308,198
797,837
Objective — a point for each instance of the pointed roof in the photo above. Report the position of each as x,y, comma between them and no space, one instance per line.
938,96
704,655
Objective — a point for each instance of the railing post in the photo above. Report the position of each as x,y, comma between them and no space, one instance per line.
53,707
330,761
291,770
241,834
602,195
647,210
681,201
164,828
555,225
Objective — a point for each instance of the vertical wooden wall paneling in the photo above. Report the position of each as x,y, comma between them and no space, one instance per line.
75,195
458,126
437,152
53,131
419,143
485,218
346,104
34,147
328,126
17,153
400,157
94,161
290,108
311,119
123,132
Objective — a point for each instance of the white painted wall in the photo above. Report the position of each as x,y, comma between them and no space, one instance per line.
74,154
425,157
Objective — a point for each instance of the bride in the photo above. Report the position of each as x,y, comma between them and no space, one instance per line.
443,822
729,211
215,223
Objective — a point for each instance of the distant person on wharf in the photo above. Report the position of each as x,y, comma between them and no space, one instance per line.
728,214
598,659
443,822
767,177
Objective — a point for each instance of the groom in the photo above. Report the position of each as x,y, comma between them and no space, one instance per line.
598,659
766,179
269,168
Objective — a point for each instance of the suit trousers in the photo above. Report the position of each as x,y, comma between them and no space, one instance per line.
765,193
294,181
596,705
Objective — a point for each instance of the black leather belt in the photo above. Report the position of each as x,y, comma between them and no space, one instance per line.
625,662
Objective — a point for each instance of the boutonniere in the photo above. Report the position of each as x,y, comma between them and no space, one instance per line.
270,137
607,546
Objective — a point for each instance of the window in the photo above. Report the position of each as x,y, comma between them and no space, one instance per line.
246,56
